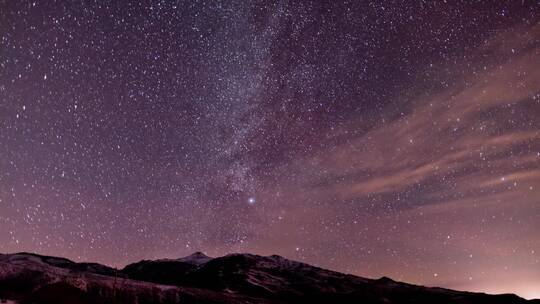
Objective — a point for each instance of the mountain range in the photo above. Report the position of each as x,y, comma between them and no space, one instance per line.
235,278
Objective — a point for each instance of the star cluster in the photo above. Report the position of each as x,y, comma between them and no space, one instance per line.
374,138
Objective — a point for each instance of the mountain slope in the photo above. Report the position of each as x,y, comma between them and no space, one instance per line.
283,280
235,278
30,278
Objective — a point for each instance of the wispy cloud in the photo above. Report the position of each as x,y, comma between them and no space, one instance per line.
453,130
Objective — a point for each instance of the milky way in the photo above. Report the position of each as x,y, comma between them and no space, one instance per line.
389,138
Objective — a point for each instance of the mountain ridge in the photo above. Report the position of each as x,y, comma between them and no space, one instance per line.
197,278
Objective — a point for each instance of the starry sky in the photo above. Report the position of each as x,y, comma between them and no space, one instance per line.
395,138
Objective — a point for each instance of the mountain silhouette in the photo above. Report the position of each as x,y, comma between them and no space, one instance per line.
234,278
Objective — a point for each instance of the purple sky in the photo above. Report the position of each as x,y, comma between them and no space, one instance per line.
389,138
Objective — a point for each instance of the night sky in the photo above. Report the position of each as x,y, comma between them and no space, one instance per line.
393,138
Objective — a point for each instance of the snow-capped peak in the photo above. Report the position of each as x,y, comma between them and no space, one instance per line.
197,258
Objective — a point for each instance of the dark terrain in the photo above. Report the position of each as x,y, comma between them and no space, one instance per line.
235,278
